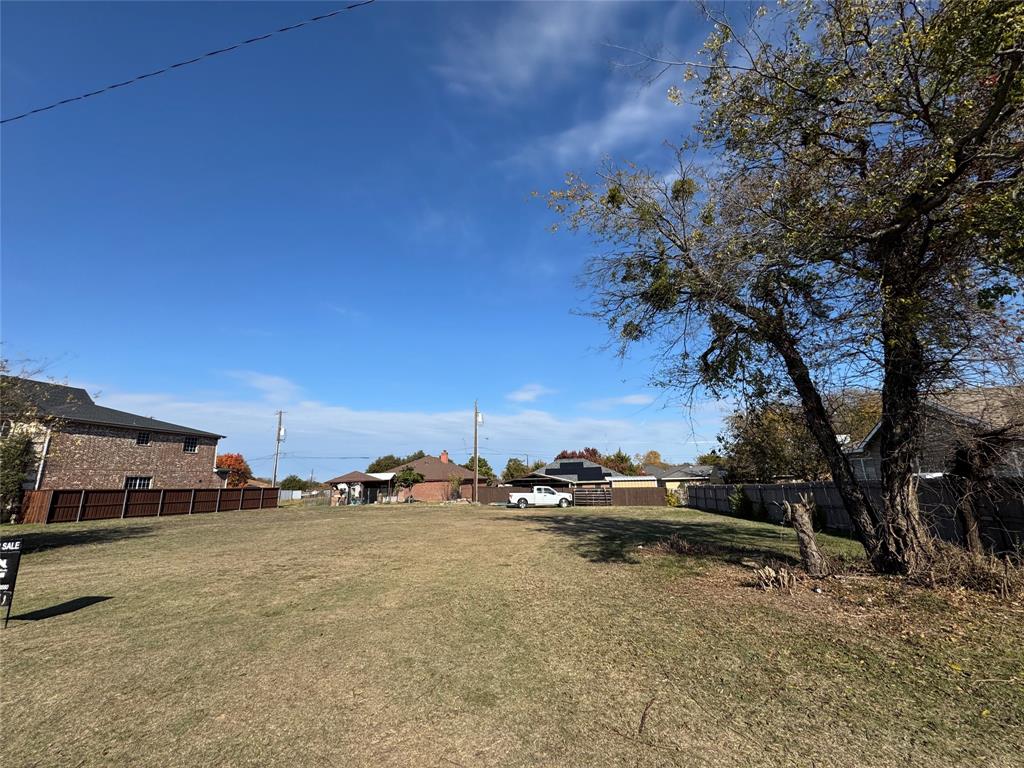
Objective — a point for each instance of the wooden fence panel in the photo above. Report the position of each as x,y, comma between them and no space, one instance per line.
230,499
639,497
65,506
35,507
102,505
487,494
177,501
69,505
206,500
142,503
251,498
592,497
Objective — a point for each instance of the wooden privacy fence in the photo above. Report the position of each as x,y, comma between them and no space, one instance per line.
71,506
1001,513
639,497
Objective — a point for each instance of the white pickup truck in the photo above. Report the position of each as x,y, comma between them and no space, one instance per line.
542,496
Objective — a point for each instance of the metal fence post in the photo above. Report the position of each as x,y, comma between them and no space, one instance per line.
124,503
241,497
192,501
81,504
217,506
160,504
262,491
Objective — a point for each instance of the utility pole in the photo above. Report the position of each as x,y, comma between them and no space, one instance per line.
476,452
277,448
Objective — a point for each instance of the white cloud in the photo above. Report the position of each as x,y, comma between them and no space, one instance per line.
321,434
605,403
530,45
528,393
274,388
634,116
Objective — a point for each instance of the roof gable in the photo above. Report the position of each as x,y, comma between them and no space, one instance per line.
75,404
434,470
576,470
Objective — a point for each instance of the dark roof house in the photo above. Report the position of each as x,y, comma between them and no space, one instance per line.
565,472
951,420
84,445
62,402
682,472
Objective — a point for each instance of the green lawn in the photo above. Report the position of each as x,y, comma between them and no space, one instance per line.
454,636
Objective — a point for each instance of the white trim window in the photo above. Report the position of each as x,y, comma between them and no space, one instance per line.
191,444
138,483
142,438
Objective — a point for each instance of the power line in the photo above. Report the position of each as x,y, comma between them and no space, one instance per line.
207,55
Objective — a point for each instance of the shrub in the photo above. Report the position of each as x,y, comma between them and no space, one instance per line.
17,458
741,505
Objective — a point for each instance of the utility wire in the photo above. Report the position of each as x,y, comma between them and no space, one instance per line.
202,57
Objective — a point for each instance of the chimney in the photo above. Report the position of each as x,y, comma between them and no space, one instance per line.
444,457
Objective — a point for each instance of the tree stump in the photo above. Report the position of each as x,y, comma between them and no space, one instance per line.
798,514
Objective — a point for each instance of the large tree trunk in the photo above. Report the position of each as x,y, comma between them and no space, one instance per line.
799,515
968,515
902,530
862,515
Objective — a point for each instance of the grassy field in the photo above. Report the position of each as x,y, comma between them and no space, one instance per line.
452,636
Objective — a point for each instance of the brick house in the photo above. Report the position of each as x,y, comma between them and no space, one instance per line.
437,472
84,445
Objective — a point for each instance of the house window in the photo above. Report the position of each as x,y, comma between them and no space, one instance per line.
135,482
142,438
5,428
191,444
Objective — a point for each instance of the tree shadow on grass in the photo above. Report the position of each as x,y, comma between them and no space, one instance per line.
603,539
68,606
56,538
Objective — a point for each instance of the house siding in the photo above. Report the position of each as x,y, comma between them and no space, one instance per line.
94,456
644,483
939,440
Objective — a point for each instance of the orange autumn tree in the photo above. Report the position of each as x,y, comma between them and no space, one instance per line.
237,468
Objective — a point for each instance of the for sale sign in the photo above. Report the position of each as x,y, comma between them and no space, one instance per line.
10,559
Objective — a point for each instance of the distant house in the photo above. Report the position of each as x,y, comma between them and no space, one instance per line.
84,445
951,421
572,473
361,488
680,475
438,474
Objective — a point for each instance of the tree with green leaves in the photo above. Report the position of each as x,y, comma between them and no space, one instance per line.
295,483
486,471
514,468
848,212
770,440
17,459
407,478
390,461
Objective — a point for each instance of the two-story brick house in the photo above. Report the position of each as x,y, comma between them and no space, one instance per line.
84,445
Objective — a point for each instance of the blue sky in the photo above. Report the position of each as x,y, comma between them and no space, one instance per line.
336,222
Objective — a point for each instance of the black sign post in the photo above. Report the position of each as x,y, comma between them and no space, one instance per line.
10,559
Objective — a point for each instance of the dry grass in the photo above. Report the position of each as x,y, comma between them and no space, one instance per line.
423,636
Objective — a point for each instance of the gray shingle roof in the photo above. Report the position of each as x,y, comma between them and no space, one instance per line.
75,404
